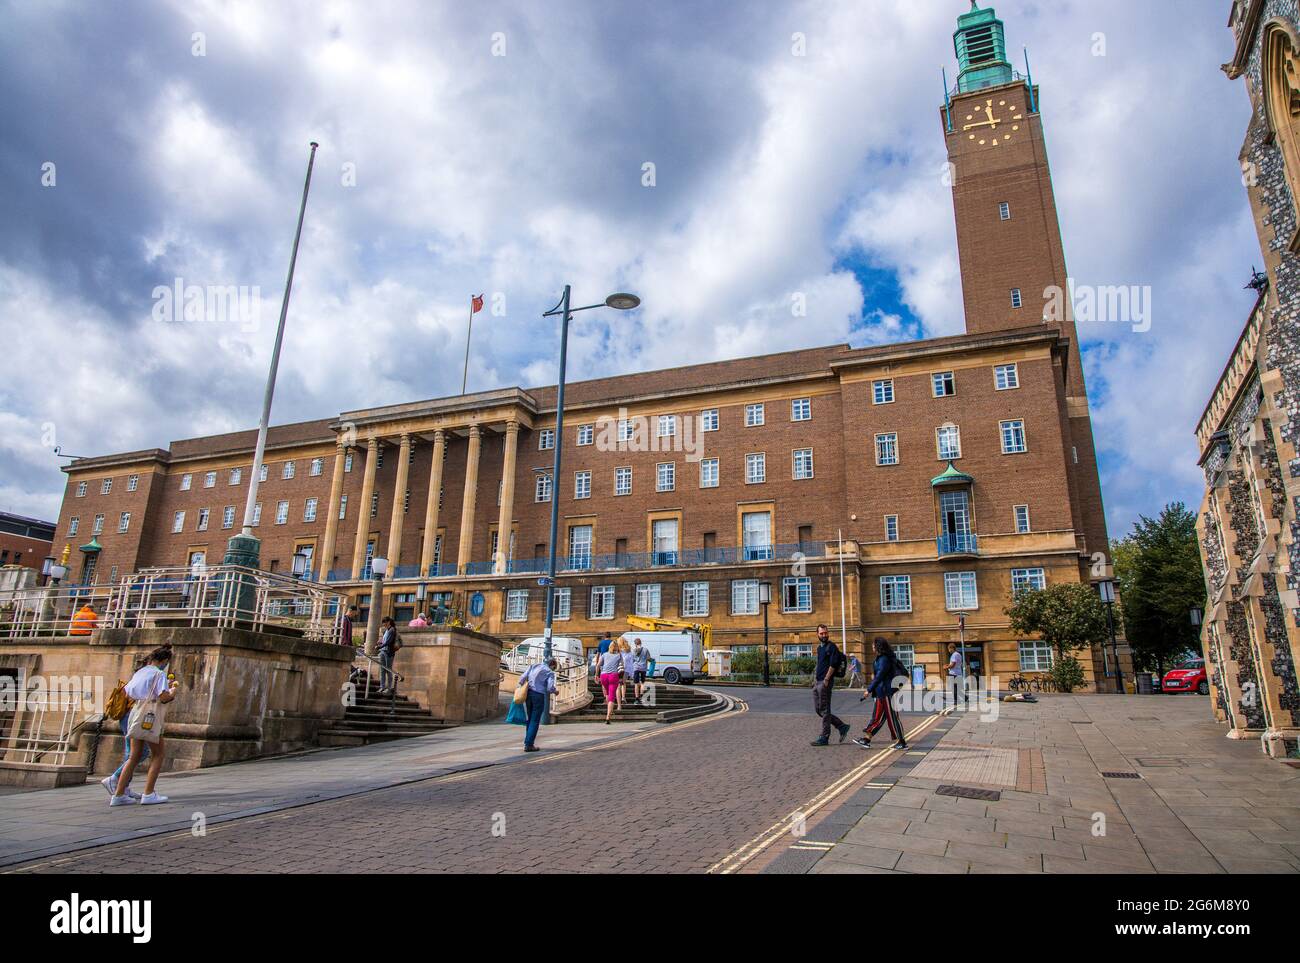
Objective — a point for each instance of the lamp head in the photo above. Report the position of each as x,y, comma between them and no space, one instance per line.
622,301
379,565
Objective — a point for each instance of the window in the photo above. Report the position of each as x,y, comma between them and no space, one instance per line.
545,439
309,510
542,489
663,537
74,524
347,462
667,426
1004,211
756,536
803,463
709,419
318,464
97,527
695,599
906,653
948,438
665,476
582,484
262,472
257,514
203,520
1006,376
626,430
1026,580
124,521
81,489
744,596
1035,656
794,650
708,473
801,409
796,594
959,591
580,546
281,512
754,415
343,506
1013,437
622,481
585,434
132,482
289,470
648,599
887,448
406,502
236,475
210,479
1015,297
943,384
228,517
410,453
1022,518
178,522
602,602
882,392
517,605
374,505
755,468
891,528
186,480
562,603
895,593
379,457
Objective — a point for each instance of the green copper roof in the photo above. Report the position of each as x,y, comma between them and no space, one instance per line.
92,545
951,476
981,50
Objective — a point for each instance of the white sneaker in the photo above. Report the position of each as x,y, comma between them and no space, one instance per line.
131,794
121,801
109,783
152,799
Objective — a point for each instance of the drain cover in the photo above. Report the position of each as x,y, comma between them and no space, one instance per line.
1080,722
1160,761
966,792
1121,775
1143,718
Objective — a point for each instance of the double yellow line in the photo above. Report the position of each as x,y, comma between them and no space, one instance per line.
769,837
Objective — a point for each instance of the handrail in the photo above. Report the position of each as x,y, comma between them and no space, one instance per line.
362,653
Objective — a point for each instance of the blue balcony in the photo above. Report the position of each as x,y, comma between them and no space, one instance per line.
442,569
339,575
957,543
479,568
406,571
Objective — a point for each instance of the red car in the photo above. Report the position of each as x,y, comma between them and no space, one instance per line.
1189,677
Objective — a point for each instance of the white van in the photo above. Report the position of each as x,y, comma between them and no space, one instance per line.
674,656
566,649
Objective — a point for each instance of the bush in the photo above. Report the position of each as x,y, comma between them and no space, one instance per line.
1067,673
745,663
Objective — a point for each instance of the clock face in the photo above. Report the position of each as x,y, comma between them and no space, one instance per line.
992,124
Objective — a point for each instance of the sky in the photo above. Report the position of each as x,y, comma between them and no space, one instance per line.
720,160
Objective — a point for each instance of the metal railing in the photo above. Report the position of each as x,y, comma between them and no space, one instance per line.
45,725
957,543
217,596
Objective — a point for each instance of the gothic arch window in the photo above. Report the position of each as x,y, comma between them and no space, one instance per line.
1281,81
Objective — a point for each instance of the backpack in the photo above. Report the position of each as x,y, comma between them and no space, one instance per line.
397,640
900,670
118,704
840,662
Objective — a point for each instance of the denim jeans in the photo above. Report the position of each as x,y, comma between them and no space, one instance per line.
126,750
386,678
536,713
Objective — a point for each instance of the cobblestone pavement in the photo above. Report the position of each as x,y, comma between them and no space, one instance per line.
671,799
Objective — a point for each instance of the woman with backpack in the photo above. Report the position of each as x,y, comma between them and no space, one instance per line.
884,670
119,702
150,690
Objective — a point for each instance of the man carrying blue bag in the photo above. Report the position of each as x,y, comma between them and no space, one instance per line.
539,681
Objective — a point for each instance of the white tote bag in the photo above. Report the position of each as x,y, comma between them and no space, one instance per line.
146,720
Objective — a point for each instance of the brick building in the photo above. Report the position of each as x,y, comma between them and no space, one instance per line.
956,469
24,541
1250,542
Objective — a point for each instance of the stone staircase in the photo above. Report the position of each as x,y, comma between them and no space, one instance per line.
660,703
377,718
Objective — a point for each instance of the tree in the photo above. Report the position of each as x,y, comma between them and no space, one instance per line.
1158,566
1068,616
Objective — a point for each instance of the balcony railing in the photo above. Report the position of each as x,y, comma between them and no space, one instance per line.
957,543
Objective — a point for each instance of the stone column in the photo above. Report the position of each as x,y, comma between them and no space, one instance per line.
363,515
471,496
507,515
431,505
325,557
398,515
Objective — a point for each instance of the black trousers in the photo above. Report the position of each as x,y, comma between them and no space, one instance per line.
822,706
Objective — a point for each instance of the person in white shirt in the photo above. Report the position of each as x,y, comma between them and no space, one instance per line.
956,671
148,684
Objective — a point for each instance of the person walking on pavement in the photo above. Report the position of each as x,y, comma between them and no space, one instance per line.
855,672
109,782
611,660
885,669
541,686
830,662
640,665
628,670
956,671
149,685
389,643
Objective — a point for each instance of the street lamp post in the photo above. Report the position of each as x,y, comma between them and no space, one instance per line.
765,599
378,568
1107,589
620,302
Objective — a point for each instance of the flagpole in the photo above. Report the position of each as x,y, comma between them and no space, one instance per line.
464,378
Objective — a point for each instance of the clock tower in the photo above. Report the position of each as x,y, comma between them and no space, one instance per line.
1008,237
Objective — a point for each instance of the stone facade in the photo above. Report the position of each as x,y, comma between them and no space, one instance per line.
1248,528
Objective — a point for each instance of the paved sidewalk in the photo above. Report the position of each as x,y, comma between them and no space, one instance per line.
1200,803
54,821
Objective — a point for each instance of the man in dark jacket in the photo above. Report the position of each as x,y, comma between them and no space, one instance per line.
828,659
884,670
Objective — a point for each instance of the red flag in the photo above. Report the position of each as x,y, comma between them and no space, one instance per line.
476,304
